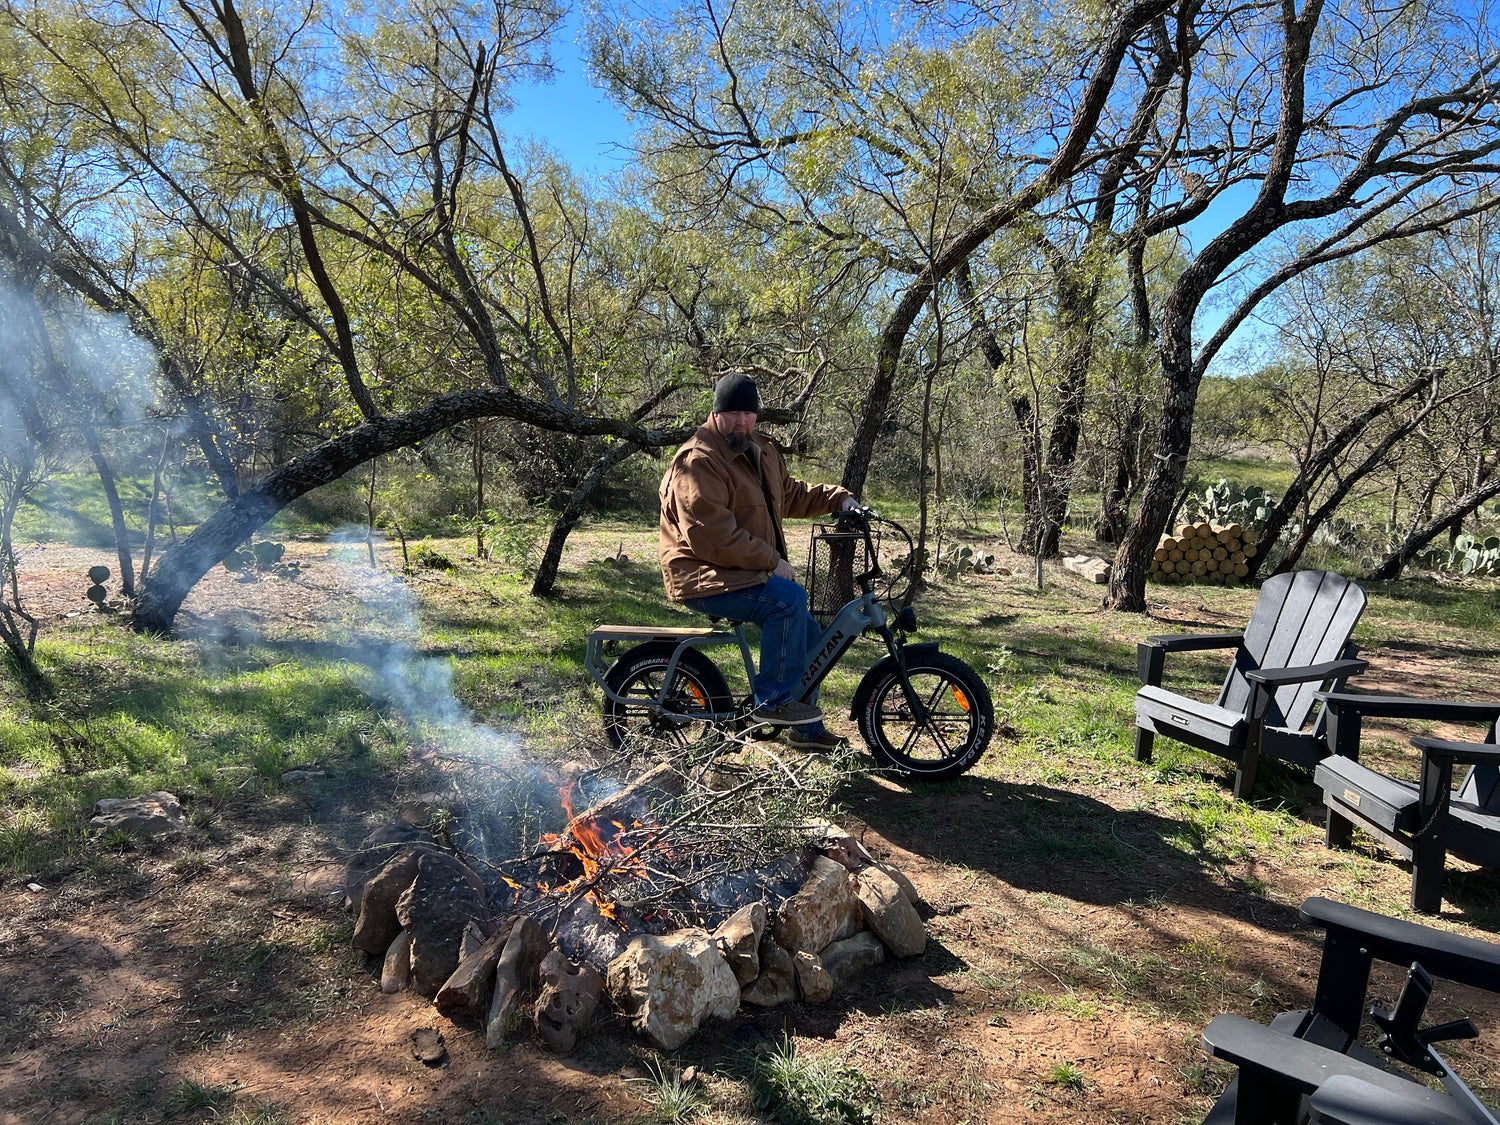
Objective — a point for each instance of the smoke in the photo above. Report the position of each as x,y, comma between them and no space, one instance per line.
62,361
420,687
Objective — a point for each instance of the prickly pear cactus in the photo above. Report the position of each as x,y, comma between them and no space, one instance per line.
1469,555
1227,502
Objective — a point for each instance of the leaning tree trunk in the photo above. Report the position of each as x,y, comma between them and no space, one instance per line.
181,566
567,520
1391,566
1323,459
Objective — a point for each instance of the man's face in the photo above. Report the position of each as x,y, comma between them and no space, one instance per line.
736,426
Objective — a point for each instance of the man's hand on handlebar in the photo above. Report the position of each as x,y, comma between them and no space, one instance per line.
784,570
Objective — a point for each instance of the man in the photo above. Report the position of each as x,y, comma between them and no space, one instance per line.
723,552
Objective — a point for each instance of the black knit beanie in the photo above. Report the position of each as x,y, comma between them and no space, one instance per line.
736,391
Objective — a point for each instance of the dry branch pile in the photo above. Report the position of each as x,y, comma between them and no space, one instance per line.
1203,552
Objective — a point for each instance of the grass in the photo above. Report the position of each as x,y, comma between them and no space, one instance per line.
1061,898
791,1088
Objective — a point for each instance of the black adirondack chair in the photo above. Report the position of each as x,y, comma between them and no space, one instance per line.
1308,1066
1422,820
1297,640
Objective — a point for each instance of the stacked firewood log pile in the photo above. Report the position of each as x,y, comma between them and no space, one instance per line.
1203,552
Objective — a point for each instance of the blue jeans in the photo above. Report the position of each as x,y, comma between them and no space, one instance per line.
788,637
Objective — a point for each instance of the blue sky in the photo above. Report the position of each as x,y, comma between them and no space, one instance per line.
574,118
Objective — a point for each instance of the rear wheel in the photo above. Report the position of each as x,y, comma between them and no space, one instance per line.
959,716
698,689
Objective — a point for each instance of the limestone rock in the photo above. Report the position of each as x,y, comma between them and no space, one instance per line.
149,814
670,985
515,972
843,961
473,938
812,978
395,974
777,983
840,847
443,899
906,885
739,941
887,912
569,998
824,910
377,925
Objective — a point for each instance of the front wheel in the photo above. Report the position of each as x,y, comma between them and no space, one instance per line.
960,716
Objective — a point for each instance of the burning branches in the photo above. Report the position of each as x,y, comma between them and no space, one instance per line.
678,844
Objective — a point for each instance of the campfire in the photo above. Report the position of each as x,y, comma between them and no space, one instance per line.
706,882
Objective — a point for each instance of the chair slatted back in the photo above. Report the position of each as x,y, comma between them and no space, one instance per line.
1301,618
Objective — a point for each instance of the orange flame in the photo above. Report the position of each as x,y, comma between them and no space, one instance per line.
597,851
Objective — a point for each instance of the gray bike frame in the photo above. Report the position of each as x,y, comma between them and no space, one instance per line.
857,616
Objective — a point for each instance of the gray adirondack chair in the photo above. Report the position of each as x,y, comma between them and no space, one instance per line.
1309,1066
1297,640
1423,820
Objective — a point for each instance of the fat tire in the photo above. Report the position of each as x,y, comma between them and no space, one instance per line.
636,668
961,735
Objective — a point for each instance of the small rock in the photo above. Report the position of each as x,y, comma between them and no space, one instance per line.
150,814
777,983
907,887
395,973
739,941
515,972
824,910
441,901
301,777
35,888
843,961
570,995
887,912
428,1047
467,990
812,977
377,924
671,984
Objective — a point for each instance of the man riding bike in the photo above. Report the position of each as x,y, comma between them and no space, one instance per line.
723,552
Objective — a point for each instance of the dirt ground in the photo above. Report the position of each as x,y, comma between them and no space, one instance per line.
220,962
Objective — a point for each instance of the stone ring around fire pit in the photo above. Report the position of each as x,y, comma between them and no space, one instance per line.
427,914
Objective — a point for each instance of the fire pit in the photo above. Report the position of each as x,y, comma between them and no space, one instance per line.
706,882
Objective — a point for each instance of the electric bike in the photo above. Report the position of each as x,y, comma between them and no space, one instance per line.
920,711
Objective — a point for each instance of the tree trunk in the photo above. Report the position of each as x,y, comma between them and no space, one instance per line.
567,520
1391,566
1183,370
185,563
1322,460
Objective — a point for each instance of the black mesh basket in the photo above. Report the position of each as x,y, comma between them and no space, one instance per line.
833,559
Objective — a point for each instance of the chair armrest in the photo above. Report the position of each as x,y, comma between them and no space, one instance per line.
1460,753
1451,956
1328,670
1269,1057
1347,1100
1151,653
1409,707
1192,642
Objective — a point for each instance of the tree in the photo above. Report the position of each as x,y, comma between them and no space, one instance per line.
347,170
1383,109
902,152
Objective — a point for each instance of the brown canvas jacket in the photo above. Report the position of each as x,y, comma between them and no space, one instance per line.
717,532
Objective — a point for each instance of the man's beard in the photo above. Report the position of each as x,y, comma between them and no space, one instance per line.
737,442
